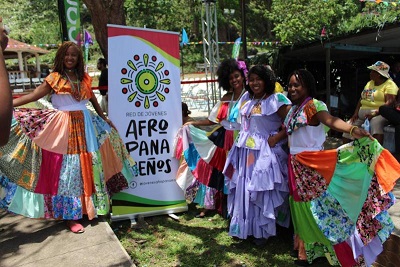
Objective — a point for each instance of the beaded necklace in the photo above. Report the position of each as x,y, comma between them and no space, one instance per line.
75,91
291,122
231,104
246,123
250,108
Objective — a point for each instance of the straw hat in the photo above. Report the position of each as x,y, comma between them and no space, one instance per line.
381,67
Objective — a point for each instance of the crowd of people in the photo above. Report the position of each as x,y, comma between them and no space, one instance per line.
263,165
276,171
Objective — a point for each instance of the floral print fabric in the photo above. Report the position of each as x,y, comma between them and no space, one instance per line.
352,204
300,116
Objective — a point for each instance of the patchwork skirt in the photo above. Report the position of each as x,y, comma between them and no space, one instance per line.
62,165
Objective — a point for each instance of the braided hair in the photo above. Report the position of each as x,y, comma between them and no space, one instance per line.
307,80
58,65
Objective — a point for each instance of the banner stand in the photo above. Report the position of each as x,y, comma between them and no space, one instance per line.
145,106
133,217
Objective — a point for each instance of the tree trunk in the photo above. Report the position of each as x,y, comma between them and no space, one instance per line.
269,23
105,12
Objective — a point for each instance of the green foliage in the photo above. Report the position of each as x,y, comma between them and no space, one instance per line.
257,20
190,55
294,21
372,16
169,15
37,23
32,22
303,20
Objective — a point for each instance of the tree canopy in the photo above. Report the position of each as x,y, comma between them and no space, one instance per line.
278,21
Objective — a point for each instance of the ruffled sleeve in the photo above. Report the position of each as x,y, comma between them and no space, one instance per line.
273,103
219,112
313,107
60,85
269,105
283,99
87,85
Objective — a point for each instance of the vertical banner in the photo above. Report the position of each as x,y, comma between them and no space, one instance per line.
87,41
63,21
70,19
145,106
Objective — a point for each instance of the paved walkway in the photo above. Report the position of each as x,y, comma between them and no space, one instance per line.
42,243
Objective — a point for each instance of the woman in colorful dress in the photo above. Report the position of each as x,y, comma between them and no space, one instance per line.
65,162
204,153
338,198
256,167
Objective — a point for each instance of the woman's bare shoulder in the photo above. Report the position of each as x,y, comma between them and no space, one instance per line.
227,96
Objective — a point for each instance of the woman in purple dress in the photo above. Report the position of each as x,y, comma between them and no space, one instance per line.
256,167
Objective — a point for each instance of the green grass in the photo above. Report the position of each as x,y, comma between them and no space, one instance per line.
197,242
30,105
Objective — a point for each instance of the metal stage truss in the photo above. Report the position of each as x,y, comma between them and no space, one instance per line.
211,50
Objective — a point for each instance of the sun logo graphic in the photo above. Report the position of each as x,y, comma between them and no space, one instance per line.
145,81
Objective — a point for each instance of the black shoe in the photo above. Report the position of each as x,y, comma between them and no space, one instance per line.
294,253
302,263
260,241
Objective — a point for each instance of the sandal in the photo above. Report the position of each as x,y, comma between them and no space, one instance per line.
201,214
75,227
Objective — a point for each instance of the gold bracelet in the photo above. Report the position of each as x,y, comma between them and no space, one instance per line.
352,129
